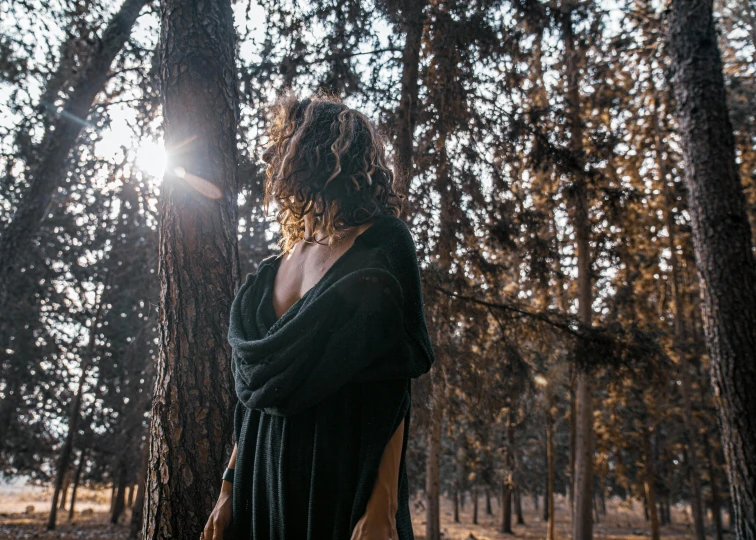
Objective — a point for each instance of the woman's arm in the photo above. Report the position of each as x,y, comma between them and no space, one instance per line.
379,520
220,518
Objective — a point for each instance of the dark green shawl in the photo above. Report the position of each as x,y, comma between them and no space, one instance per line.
362,323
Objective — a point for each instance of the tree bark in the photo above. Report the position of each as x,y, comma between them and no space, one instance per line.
46,174
192,409
722,242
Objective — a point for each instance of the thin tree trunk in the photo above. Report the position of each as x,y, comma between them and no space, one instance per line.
722,242
130,496
412,23
649,482
489,511
64,491
507,481
77,479
66,450
192,407
518,505
716,506
475,504
506,507
548,503
57,142
119,499
432,464
139,500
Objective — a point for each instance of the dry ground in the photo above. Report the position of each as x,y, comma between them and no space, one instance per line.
622,522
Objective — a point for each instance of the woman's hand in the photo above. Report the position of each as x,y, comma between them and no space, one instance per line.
221,515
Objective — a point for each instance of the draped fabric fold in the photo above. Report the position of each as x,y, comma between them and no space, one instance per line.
331,376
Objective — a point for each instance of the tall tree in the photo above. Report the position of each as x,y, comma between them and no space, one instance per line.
192,411
50,169
582,523
723,243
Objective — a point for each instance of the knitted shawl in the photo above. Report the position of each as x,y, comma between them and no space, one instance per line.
362,323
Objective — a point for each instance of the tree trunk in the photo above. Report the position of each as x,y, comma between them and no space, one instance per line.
57,142
716,506
649,483
518,505
130,496
119,501
722,242
489,511
138,511
64,491
192,408
582,523
77,479
475,504
412,25
680,333
432,464
66,450
548,503
506,507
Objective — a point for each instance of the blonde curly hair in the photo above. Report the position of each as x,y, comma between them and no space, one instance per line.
325,158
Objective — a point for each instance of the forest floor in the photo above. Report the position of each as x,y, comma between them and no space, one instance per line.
622,521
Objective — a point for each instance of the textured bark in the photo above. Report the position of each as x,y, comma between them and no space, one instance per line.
689,428
722,242
412,18
192,409
46,174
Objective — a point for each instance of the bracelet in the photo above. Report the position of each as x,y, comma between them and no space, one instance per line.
228,475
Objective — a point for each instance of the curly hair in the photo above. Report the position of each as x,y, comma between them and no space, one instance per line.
325,158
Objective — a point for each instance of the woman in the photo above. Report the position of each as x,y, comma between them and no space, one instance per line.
325,338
